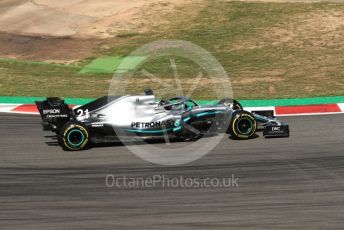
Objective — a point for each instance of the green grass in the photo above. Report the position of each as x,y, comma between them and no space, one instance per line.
32,79
270,50
111,64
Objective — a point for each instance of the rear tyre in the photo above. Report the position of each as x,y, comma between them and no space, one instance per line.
74,136
243,125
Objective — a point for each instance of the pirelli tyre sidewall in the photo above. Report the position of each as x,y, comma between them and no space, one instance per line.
243,125
74,136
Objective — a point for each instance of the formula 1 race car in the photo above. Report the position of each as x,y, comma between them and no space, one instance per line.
111,117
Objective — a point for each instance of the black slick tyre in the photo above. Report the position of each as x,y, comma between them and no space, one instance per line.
74,136
243,125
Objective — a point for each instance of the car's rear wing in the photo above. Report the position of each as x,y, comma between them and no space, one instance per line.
54,112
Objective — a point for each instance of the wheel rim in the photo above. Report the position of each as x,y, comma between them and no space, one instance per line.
244,126
75,138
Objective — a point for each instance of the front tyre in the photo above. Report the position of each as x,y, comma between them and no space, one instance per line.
243,125
74,136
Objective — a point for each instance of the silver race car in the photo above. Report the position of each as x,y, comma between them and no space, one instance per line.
110,118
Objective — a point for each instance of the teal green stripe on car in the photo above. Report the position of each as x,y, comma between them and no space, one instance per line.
186,119
177,129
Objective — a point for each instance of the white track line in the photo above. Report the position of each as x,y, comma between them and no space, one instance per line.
6,108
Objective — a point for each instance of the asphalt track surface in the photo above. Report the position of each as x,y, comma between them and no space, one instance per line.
289,183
